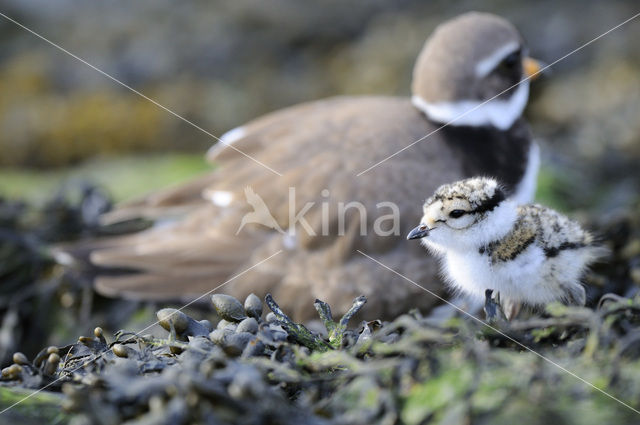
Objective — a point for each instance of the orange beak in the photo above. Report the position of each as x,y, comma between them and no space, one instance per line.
532,68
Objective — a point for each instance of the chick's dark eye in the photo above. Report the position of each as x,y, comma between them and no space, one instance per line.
457,213
512,59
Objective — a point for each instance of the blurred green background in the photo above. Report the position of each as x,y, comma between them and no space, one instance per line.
221,63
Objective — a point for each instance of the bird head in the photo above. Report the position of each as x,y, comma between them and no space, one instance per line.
465,213
468,60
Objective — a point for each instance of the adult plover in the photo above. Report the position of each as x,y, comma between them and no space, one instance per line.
320,148
527,255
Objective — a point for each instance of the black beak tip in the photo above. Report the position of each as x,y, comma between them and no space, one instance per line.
418,233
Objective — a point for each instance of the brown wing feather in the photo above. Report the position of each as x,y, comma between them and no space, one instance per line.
173,201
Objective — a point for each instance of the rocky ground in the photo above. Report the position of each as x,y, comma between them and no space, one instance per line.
246,362
414,369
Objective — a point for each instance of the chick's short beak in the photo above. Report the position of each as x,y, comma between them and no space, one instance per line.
419,232
532,67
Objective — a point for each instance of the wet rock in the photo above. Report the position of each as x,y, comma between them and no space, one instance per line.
12,372
254,348
247,382
235,344
184,325
271,317
228,307
218,336
253,306
120,350
225,324
200,343
52,364
20,359
248,325
206,325
43,354
99,333
169,317
272,334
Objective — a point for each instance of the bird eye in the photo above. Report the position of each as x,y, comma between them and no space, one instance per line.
512,59
457,213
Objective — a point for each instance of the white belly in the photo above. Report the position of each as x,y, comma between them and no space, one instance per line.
472,274
469,274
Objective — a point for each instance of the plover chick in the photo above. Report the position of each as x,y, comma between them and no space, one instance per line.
530,255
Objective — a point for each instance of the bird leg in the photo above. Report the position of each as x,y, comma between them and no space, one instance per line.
492,310
510,308
496,307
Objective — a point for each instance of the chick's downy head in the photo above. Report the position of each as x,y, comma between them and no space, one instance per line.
463,212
